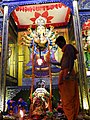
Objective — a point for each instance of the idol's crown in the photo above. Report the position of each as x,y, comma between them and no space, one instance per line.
40,21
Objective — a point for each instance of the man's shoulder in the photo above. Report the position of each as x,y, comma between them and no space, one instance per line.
69,46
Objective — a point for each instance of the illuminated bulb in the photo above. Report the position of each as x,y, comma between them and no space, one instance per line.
21,113
85,104
39,61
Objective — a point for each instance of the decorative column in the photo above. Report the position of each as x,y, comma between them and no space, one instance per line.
4,56
81,64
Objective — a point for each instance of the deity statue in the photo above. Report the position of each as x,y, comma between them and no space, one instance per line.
41,36
42,39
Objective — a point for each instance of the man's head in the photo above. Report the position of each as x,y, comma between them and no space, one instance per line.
60,41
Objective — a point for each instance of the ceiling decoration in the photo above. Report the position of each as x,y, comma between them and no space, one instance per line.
56,14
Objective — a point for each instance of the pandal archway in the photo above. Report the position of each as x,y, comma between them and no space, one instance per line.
5,37
9,6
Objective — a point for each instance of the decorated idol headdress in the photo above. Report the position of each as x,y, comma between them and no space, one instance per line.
40,21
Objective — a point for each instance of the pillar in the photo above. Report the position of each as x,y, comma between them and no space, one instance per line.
81,64
4,56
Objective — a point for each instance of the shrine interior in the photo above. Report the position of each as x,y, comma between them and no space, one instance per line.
19,68
27,61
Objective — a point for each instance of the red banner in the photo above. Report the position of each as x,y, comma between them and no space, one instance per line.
39,8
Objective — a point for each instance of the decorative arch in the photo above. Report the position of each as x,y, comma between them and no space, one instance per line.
15,3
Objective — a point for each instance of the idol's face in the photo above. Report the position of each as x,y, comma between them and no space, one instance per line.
40,29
